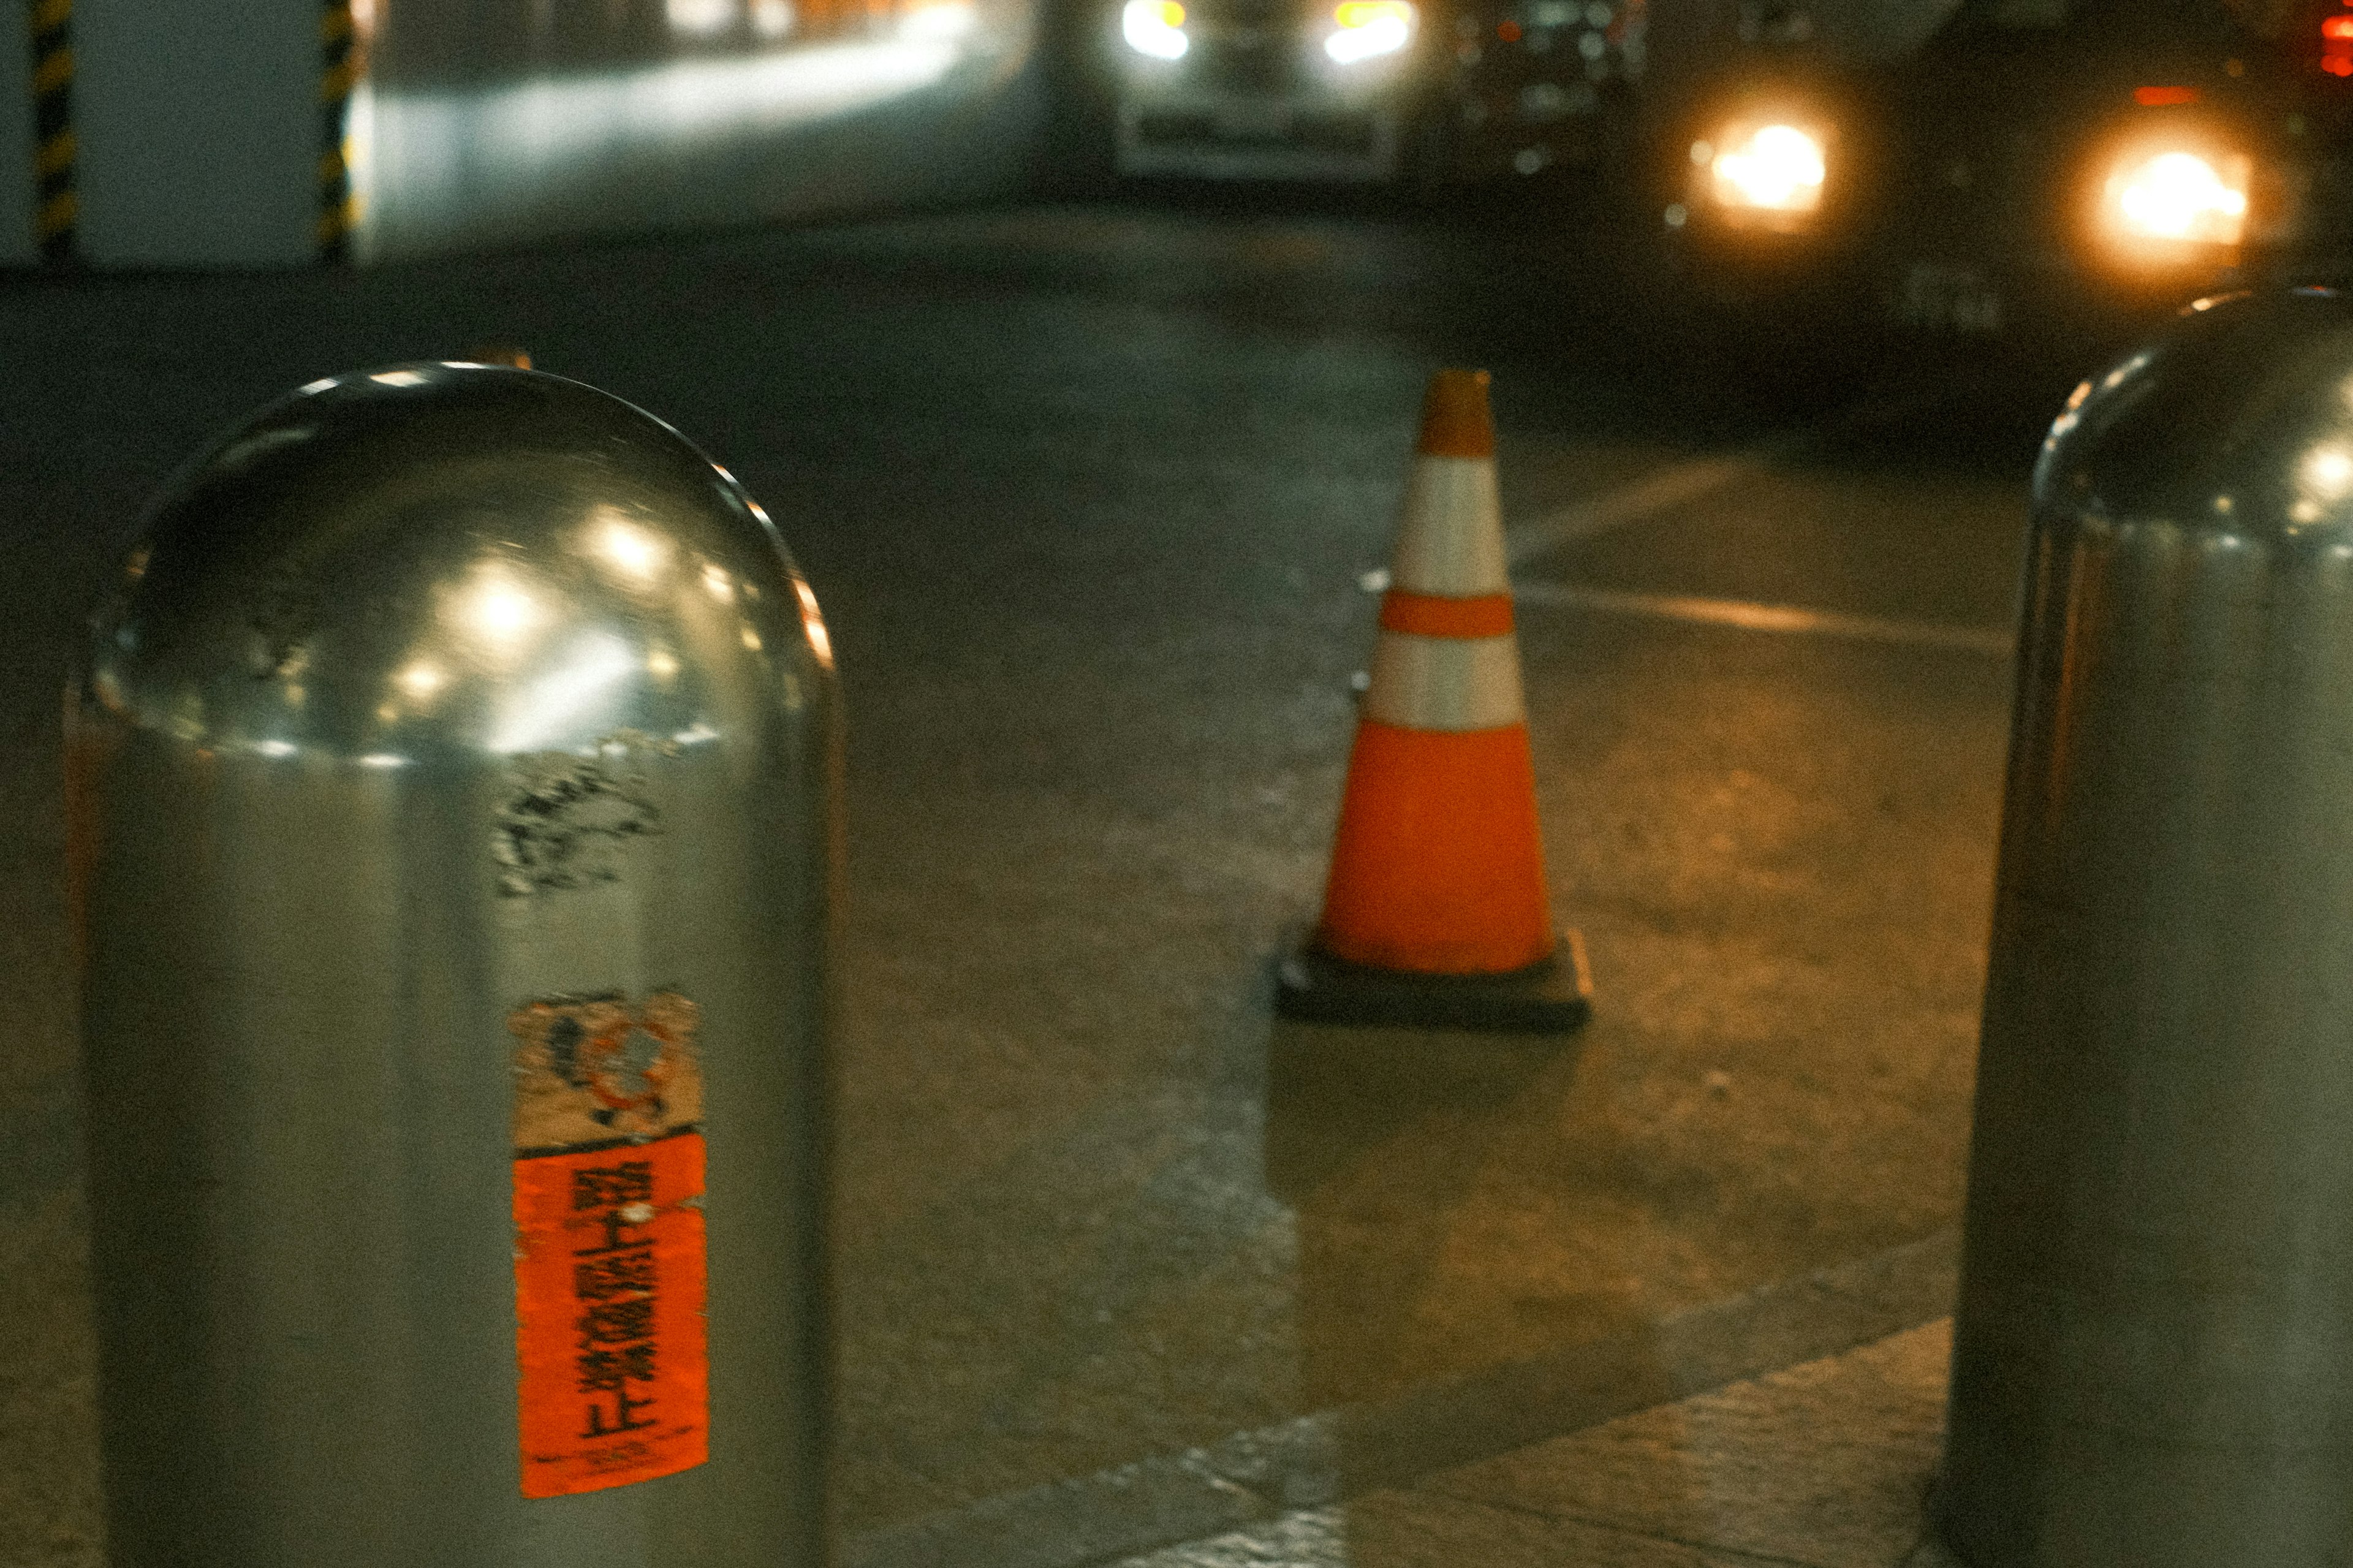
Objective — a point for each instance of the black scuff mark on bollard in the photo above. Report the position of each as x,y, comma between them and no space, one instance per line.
568,817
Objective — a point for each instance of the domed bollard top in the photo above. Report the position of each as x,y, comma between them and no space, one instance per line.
451,793
2151,1363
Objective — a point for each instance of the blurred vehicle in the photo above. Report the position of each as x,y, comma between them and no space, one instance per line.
1371,89
1540,83
2059,160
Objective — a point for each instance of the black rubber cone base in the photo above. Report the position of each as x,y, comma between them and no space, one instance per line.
1551,997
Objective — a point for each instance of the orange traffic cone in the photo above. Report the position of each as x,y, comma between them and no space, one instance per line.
1436,914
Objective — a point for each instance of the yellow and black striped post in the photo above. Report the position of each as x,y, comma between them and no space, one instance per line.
339,70
55,204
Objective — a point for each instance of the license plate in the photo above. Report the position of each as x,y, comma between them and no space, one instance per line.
1251,119
1950,296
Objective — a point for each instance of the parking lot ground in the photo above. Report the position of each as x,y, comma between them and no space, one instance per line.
1089,495
1828,1464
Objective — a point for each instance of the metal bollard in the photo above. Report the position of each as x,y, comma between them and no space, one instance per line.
452,781
2151,1365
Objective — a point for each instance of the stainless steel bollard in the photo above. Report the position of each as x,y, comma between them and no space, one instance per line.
2153,1357
452,790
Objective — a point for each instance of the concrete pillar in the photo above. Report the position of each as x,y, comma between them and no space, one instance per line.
199,131
16,248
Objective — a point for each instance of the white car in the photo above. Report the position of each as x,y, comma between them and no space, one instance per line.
1305,89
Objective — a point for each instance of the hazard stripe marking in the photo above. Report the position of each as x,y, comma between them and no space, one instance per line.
55,207
340,66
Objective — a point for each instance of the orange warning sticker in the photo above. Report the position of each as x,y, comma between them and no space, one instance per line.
611,1278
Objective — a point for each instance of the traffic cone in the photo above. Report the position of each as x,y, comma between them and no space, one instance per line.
1436,912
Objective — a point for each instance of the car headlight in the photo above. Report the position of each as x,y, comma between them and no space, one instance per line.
1768,168
2175,197
1362,29
1154,27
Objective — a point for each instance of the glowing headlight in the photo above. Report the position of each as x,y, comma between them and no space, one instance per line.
1775,168
1154,27
2178,196
1364,28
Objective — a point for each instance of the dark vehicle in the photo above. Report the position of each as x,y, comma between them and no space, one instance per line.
2079,160
1426,91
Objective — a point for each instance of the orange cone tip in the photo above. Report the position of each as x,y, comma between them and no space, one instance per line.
1454,419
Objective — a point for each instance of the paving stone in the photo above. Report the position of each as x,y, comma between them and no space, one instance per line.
1419,1529
1827,1464
1824,1464
1301,1466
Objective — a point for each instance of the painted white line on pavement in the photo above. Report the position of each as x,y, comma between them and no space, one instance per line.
1675,485
1755,618
1678,484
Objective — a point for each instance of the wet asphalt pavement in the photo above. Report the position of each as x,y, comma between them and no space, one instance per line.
1087,493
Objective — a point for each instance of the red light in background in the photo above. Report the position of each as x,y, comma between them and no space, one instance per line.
1510,31
2157,97
2337,64
2337,28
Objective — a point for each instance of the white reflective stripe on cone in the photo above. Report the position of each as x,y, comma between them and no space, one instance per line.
1445,683
1450,534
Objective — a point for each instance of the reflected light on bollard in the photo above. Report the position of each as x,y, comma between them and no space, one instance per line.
452,872
2150,1365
